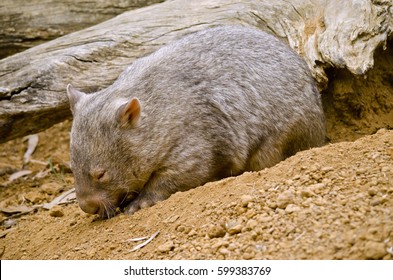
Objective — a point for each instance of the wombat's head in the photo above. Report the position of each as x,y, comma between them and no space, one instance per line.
102,159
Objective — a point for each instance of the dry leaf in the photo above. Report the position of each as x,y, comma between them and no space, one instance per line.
19,174
137,239
143,244
24,209
64,198
42,174
31,145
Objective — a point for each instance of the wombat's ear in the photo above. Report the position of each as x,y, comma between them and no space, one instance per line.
128,114
74,96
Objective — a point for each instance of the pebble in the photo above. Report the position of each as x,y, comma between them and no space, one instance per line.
378,200
235,229
224,251
34,197
264,219
245,199
215,231
285,198
327,169
248,255
306,193
292,208
166,247
317,187
180,228
374,250
240,210
51,188
251,224
220,243
320,201
272,204
372,191
192,232
56,211
232,247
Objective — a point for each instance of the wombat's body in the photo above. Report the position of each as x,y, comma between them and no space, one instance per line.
213,104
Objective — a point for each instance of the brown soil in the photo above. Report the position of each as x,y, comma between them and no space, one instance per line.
334,202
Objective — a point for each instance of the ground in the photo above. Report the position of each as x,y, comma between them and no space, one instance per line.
333,202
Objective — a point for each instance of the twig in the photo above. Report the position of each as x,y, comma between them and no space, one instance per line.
139,246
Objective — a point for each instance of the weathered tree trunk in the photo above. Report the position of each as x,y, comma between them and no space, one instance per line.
327,33
25,24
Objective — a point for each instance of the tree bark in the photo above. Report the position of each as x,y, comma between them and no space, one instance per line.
327,33
25,24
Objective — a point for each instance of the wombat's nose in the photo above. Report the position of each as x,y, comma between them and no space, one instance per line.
89,207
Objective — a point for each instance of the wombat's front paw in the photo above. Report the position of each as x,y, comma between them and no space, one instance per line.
138,203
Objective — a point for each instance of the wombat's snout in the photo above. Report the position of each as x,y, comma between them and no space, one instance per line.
106,207
91,206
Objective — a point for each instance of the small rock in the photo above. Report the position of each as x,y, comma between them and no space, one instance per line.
51,188
34,197
220,243
245,199
292,208
271,204
306,193
320,201
240,210
251,224
264,219
56,211
224,251
166,247
372,191
181,228
248,255
216,231
285,198
192,232
327,169
361,171
317,188
235,229
374,250
232,247
187,229
378,200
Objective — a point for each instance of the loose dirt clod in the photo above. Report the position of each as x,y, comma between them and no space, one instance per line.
56,211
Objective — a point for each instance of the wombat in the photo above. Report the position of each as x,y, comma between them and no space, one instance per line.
213,104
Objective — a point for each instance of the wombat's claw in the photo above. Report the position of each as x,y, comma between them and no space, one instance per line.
137,204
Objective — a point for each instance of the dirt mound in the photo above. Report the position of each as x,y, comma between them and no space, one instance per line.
333,202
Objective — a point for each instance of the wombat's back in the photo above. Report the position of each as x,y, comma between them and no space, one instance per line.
242,93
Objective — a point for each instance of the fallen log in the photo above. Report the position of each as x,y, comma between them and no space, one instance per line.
25,24
326,33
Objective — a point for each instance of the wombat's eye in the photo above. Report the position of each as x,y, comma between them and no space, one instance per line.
100,175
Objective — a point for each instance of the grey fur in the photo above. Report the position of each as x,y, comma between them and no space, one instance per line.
215,103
